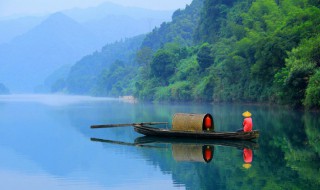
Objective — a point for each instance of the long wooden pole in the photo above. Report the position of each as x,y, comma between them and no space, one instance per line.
126,124
124,143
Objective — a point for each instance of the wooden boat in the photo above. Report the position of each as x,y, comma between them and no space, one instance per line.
160,132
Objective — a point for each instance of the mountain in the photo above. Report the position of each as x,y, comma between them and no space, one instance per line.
115,27
98,17
31,57
85,75
38,46
4,89
9,29
107,8
54,80
111,22
242,51
113,70
180,30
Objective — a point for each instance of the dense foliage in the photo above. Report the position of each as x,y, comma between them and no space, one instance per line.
180,30
255,51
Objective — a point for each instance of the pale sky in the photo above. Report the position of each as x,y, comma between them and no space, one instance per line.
34,7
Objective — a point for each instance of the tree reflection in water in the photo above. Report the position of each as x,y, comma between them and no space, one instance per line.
287,156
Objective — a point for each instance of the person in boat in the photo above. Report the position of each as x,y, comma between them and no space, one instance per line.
247,158
247,122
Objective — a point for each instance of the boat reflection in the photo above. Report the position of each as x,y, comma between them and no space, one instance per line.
190,150
218,142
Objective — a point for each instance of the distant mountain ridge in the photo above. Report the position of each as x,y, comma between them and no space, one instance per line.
85,75
107,8
12,27
9,29
111,27
59,40
4,89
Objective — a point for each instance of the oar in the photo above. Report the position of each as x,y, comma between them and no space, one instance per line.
124,143
126,124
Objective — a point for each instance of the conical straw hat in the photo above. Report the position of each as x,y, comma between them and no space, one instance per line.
246,165
246,114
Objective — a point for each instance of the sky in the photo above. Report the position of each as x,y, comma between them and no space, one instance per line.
9,8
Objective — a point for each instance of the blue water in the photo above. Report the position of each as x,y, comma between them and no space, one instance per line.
46,143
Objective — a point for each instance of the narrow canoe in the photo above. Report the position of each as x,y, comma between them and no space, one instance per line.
159,132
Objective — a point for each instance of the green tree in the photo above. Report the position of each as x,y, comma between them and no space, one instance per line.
179,30
212,18
204,56
312,99
163,64
118,80
292,81
144,56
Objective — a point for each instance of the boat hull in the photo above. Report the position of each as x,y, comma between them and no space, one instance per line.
158,132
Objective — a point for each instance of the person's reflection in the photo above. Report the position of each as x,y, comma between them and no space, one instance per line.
247,158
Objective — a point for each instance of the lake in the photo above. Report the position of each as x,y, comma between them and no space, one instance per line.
46,143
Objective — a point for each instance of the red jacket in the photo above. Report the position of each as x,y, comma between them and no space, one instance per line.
247,155
247,124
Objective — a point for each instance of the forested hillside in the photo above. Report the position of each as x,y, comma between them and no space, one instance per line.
243,51
101,72
114,71
224,51
180,30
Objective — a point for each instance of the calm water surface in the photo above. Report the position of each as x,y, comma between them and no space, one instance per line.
46,143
